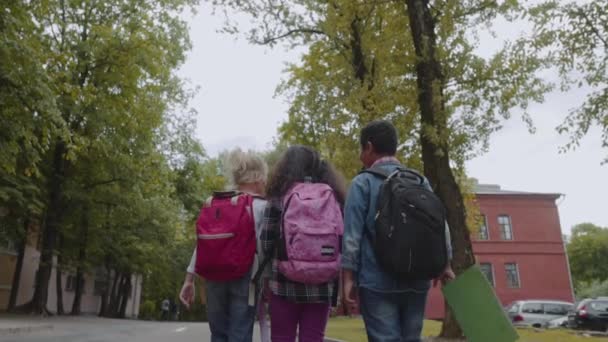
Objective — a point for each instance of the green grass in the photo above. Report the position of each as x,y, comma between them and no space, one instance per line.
353,330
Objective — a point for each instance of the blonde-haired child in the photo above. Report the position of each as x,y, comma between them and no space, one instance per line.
229,307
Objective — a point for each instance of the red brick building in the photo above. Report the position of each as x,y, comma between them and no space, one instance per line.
520,248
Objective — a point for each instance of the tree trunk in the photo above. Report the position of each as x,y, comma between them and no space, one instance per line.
360,69
433,138
82,254
113,294
126,290
103,311
59,287
49,236
12,303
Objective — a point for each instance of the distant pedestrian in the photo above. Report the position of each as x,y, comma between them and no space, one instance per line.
165,306
173,311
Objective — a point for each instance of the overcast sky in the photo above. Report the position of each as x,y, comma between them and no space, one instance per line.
237,107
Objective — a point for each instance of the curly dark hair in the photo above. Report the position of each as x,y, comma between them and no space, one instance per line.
299,163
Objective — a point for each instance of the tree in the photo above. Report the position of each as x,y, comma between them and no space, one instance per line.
29,117
435,150
367,60
110,65
587,252
573,37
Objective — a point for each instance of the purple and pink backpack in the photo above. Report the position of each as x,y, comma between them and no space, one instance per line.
311,232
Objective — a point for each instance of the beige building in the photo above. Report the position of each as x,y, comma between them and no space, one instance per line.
93,283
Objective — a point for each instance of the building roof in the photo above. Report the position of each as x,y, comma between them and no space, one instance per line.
495,189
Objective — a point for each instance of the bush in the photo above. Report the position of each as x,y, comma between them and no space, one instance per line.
592,290
148,311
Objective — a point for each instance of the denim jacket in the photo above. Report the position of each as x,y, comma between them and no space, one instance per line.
358,254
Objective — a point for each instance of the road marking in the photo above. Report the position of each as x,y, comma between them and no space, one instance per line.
180,329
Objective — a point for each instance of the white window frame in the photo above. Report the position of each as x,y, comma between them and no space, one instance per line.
516,273
8,248
485,224
72,288
70,285
500,227
491,271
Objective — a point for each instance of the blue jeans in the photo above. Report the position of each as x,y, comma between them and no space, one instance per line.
228,311
393,317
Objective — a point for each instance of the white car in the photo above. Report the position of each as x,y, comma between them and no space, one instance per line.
537,313
557,323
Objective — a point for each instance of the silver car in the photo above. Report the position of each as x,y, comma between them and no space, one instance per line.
537,313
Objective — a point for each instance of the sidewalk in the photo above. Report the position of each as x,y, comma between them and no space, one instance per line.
17,324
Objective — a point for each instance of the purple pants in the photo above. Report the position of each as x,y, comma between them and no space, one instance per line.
309,319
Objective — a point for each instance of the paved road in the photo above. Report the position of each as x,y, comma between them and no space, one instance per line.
83,329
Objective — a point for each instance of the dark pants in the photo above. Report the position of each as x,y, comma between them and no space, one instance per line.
393,317
228,311
308,319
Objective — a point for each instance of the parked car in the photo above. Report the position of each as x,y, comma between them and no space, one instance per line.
560,322
590,314
537,313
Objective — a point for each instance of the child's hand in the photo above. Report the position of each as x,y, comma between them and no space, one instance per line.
186,295
445,277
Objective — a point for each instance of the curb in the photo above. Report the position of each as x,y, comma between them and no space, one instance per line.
25,329
328,339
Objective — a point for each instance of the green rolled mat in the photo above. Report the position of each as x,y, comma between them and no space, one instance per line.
477,309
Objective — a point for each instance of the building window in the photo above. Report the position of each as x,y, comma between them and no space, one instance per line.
7,245
100,287
486,269
70,284
512,275
506,230
484,234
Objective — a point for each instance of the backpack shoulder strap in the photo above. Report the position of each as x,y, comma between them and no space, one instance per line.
413,172
225,194
376,171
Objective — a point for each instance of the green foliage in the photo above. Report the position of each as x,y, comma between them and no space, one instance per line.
588,252
593,289
573,36
28,113
360,65
90,106
148,310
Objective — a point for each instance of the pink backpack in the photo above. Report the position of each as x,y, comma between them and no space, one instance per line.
226,237
312,228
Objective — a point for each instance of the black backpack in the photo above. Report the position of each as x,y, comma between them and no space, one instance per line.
410,241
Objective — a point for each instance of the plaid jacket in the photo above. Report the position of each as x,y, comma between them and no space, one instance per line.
279,284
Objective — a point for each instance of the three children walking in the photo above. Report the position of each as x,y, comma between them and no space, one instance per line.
285,243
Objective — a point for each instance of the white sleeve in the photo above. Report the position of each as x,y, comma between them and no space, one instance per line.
259,206
190,268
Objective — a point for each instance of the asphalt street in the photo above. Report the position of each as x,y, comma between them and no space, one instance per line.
82,329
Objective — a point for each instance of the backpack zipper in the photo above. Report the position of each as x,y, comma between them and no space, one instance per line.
409,267
215,236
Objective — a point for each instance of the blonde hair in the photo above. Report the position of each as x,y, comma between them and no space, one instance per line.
244,167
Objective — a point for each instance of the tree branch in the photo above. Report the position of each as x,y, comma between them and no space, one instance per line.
594,29
289,33
482,7
104,182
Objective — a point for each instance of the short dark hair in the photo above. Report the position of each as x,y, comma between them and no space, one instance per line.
383,136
